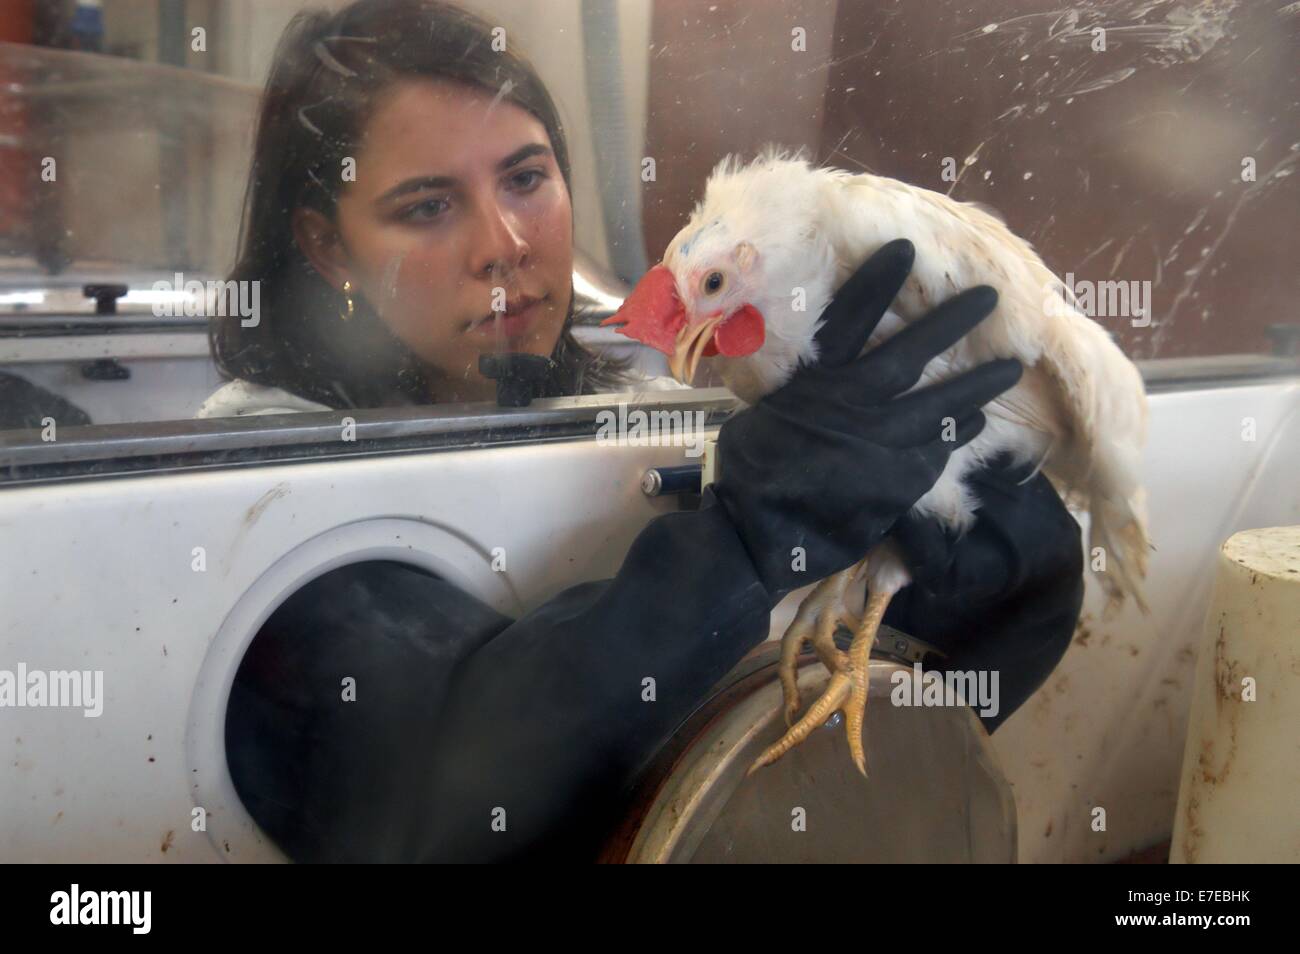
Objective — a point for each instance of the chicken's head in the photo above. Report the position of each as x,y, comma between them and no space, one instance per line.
704,299
749,276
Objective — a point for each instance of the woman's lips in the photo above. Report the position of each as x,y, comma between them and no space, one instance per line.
514,322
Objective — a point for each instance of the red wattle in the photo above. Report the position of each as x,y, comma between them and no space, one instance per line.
741,334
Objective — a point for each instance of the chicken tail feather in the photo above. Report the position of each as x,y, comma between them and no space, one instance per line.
1117,538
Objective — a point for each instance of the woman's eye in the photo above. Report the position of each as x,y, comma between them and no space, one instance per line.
528,179
713,283
424,211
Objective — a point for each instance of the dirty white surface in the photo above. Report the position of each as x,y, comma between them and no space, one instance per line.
1241,766
100,575
103,578
1107,729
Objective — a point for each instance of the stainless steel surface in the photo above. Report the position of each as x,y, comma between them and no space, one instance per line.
29,299
899,645
597,292
231,441
935,791
1171,374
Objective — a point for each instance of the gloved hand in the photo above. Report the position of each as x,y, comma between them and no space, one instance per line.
830,461
1005,596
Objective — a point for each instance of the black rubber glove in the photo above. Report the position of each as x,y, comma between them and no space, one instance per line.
831,460
1005,596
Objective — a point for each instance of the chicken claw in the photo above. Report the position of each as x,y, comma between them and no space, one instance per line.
815,620
850,677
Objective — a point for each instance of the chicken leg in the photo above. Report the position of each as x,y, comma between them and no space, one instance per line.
814,621
850,675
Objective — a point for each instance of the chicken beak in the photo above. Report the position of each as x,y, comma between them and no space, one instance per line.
692,341
734,336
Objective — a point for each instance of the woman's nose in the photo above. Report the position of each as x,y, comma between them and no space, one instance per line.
501,247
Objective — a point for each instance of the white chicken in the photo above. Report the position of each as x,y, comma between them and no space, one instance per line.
746,281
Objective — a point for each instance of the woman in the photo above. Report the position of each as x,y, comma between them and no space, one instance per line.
408,211
472,736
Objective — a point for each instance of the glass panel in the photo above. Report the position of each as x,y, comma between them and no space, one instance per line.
1146,150
146,276
1148,144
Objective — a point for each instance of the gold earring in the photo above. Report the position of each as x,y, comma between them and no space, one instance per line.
347,294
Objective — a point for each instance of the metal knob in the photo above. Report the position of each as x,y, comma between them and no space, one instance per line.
658,481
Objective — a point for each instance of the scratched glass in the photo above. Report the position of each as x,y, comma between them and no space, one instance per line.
1145,150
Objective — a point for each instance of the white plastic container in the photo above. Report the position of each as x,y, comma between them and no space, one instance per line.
1240,795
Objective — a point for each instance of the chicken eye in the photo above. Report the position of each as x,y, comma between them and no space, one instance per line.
713,283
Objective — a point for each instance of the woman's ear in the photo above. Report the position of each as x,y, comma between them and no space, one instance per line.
319,240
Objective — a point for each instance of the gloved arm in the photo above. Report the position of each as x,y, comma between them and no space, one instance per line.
463,720
1004,597
451,711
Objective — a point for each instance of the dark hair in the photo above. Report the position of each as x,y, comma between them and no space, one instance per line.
328,71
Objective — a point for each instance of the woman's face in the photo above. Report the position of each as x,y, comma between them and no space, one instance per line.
458,230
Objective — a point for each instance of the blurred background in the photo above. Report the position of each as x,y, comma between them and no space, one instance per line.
1161,149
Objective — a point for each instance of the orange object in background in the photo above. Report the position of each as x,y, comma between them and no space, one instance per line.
17,18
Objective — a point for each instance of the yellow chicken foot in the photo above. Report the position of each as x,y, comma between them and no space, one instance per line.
815,620
826,703
848,684
855,714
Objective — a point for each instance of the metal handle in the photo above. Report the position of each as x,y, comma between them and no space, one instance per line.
659,481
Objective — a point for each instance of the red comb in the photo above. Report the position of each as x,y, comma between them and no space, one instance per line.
652,313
